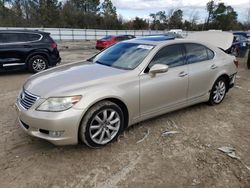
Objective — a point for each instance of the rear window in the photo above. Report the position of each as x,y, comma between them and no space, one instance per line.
197,53
47,38
121,38
107,38
33,37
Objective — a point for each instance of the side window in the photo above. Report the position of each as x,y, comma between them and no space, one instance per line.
8,38
1,38
170,55
18,37
129,37
121,38
196,53
210,54
23,37
33,37
27,37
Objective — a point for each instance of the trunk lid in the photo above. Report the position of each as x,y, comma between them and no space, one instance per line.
220,39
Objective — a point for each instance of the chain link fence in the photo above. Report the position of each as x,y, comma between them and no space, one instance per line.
87,34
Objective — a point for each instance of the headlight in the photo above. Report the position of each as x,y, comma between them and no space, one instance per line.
58,104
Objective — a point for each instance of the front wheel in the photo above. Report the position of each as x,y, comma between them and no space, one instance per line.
102,124
218,91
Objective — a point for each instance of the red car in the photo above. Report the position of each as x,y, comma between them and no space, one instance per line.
110,40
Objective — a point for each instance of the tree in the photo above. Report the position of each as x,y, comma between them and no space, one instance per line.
109,15
175,21
221,16
210,9
159,20
8,16
194,17
49,12
81,13
139,23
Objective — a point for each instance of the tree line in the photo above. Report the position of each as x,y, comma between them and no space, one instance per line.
96,15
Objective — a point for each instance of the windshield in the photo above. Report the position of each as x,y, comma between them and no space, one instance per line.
106,38
123,55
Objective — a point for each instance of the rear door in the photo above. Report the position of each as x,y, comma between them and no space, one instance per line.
202,70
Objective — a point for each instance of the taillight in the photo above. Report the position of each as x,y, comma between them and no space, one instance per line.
53,45
236,62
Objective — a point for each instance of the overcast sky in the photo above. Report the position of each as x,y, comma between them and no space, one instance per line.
142,8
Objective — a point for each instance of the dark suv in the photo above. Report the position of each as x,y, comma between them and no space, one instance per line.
33,50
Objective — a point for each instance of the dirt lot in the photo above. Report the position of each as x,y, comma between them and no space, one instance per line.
187,159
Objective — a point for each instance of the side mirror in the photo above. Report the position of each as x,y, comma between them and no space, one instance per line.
158,68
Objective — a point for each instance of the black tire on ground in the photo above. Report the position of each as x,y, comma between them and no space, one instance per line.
248,60
37,63
218,91
90,126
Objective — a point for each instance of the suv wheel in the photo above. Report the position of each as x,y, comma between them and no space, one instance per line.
102,124
37,63
218,91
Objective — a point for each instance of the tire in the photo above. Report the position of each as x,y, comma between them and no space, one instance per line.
218,91
37,63
96,130
248,60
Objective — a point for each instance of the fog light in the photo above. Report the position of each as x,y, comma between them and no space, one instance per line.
56,134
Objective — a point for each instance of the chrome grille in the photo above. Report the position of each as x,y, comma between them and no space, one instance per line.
27,99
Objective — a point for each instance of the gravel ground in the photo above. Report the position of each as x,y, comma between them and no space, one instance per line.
141,157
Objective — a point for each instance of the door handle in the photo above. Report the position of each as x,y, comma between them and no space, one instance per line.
183,74
214,66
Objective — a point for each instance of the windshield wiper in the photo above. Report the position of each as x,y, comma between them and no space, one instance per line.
90,60
98,62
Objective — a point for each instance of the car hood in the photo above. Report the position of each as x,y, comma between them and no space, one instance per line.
223,40
69,79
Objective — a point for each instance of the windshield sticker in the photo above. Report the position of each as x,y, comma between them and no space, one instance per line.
146,47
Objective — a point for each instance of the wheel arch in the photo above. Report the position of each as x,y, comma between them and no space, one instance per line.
115,100
34,53
226,78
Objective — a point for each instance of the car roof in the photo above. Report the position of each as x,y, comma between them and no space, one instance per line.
157,38
152,42
117,35
22,31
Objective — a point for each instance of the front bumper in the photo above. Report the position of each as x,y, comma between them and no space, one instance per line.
41,124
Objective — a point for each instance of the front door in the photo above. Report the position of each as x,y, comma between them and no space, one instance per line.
164,91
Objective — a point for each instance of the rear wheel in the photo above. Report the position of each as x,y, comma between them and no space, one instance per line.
37,63
218,91
102,124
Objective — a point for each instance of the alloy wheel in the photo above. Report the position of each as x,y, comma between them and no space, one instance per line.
219,92
39,65
104,126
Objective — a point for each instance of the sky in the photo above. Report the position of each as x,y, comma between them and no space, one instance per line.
129,9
